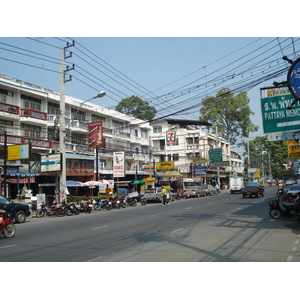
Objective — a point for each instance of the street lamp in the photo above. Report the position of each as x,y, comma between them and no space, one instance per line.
62,137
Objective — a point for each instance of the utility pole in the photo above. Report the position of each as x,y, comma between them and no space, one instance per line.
62,132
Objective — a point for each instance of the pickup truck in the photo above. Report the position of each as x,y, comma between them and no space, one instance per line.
253,188
16,211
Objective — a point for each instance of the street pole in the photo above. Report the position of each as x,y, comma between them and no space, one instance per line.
62,130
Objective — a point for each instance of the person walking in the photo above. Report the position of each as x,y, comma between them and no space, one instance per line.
164,193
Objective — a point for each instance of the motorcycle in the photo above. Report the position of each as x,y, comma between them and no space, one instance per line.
55,210
130,201
86,206
139,199
114,202
7,227
102,204
286,209
179,195
75,210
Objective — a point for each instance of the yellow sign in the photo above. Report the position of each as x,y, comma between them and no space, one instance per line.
149,179
16,152
165,166
200,160
293,149
257,173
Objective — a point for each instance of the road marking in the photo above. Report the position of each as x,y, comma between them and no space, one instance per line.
176,230
290,258
188,208
95,258
8,246
297,242
154,215
101,227
294,249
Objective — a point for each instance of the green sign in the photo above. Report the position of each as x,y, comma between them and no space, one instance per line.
215,155
138,182
277,117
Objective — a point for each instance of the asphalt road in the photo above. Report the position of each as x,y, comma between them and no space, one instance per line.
222,228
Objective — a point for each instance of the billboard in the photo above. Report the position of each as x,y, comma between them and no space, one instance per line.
118,164
165,166
51,162
96,135
16,152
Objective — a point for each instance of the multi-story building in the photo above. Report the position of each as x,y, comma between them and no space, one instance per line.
190,150
31,114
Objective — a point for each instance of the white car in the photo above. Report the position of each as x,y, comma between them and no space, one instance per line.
293,190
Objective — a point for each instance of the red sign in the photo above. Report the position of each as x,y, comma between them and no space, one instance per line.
96,135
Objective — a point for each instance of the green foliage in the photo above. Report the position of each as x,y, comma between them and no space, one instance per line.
230,114
268,155
136,107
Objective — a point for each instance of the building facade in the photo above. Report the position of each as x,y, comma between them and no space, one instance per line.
31,114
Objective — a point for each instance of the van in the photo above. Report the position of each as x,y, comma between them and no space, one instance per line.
153,194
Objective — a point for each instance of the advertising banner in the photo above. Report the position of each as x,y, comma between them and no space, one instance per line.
96,135
118,164
171,138
165,166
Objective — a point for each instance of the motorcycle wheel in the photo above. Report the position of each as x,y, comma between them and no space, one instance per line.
275,213
134,204
77,212
123,205
9,230
69,212
40,214
60,213
294,215
108,207
97,207
143,202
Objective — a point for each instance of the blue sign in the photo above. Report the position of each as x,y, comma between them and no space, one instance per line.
293,79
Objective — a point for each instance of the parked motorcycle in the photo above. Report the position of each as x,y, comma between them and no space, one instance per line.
7,227
285,209
55,210
130,201
102,204
86,206
179,195
74,208
114,202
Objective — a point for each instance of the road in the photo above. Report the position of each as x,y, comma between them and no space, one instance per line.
222,228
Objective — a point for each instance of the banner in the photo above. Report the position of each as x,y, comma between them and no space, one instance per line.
96,135
118,164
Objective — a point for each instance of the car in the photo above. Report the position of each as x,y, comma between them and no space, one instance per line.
253,189
195,191
210,190
289,182
153,194
16,211
293,190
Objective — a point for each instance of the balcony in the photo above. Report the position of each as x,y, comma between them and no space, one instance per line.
18,140
32,116
9,111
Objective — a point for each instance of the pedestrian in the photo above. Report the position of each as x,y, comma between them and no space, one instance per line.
164,193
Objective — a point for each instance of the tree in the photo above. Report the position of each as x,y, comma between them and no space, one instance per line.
231,115
136,107
266,155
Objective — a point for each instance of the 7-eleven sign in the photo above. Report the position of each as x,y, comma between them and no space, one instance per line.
171,138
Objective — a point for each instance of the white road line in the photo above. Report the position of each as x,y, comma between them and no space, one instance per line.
294,249
290,258
297,241
154,215
8,246
188,208
101,227
176,230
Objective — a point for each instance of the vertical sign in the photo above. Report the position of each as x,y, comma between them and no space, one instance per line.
118,164
96,135
171,138
293,149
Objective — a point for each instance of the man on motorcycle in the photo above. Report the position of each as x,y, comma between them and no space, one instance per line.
280,188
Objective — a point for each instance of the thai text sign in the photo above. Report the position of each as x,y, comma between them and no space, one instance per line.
165,166
293,149
277,117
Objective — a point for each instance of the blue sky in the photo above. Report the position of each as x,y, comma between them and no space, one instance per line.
169,61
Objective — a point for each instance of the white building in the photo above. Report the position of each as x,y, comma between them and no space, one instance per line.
31,114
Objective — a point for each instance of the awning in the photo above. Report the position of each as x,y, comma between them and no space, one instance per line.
172,174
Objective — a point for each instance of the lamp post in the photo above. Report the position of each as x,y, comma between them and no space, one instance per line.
62,137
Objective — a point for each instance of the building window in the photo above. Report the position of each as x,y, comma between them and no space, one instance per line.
157,128
144,133
30,102
31,131
96,118
176,157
